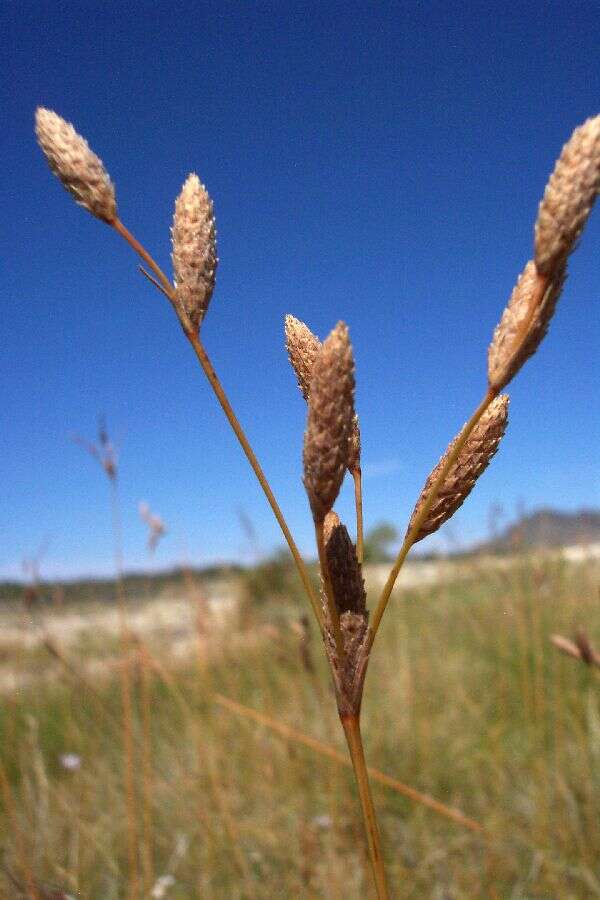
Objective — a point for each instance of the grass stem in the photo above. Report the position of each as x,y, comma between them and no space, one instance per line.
351,726
411,535
357,477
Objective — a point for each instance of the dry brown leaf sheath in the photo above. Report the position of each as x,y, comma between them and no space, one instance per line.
472,461
194,250
523,325
330,416
79,169
344,571
569,197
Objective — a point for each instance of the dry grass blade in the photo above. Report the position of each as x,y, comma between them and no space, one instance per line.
295,736
79,169
194,250
303,348
330,416
472,461
568,199
523,325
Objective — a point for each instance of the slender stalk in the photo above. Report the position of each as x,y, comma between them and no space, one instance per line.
411,536
147,772
167,288
334,617
357,476
256,467
127,705
351,724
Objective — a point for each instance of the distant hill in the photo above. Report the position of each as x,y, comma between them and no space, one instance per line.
547,528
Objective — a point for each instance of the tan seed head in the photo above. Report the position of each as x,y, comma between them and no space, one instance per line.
342,566
303,348
330,415
568,198
194,250
523,325
78,168
460,480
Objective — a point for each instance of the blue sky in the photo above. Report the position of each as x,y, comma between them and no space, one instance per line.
373,162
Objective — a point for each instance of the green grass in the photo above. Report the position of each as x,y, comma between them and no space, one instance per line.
466,699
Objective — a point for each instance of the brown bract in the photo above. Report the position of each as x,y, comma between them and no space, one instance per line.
568,198
81,172
330,416
194,250
344,571
524,323
303,348
472,461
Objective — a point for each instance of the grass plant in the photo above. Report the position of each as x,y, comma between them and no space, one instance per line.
347,628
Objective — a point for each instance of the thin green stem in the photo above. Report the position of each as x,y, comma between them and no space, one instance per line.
351,724
357,476
434,490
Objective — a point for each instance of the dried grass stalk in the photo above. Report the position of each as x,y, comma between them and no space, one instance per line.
353,461
303,348
343,568
79,169
330,415
523,325
194,250
472,461
568,198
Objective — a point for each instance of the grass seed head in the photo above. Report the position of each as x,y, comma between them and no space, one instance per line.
473,459
330,416
194,250
79,169
524,324
569,197
343,568
303,348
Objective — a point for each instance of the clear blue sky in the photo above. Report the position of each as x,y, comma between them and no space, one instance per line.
373,162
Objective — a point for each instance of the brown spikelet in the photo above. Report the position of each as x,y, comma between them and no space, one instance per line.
330,414
194,250
79,169
523,325
568,198
303,348
472,461
342,566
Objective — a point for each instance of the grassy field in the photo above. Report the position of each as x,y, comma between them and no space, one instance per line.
467,701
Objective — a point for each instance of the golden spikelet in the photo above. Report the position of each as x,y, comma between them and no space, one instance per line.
303,348
523,325
568,198
81,172
330,415
343,568
194,250
472,461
